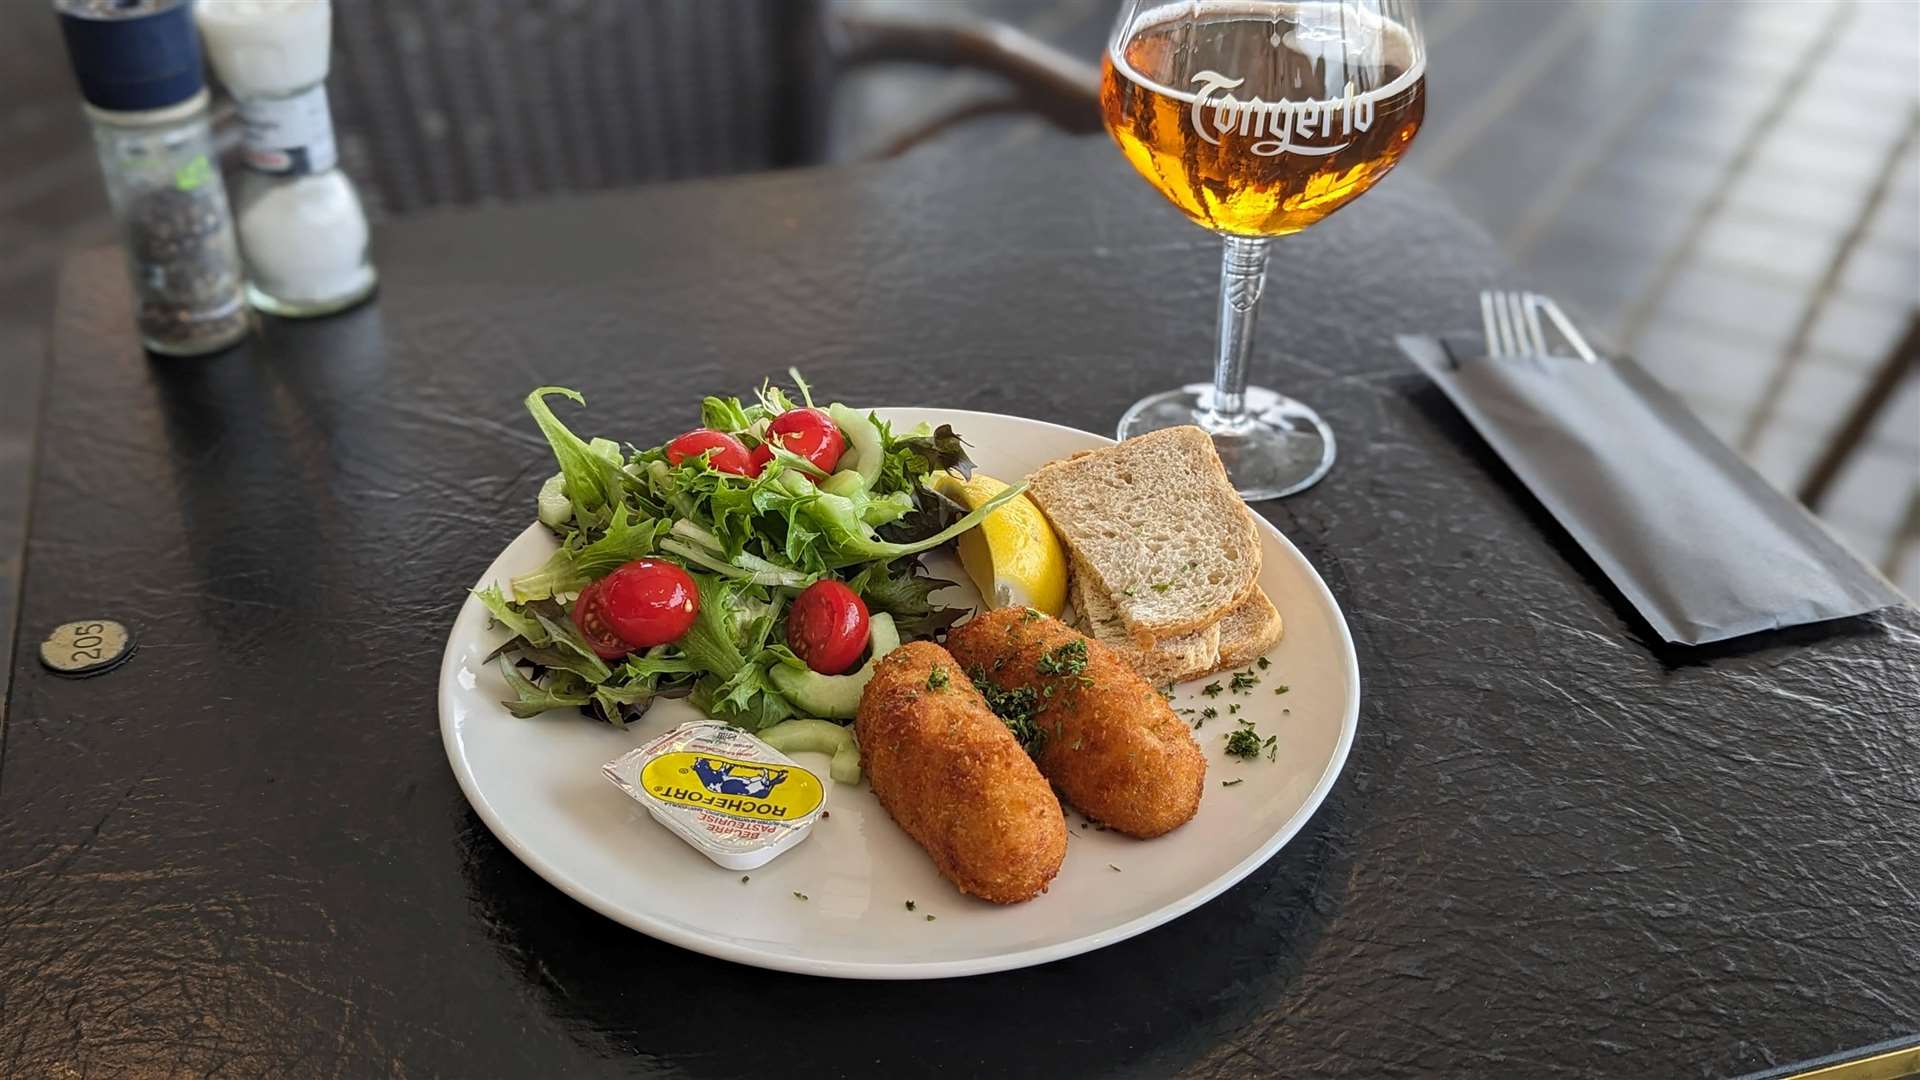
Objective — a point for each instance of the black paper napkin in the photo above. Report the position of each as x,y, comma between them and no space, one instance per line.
1700,544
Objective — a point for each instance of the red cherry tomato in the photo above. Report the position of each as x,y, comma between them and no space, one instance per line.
590,618
647,602
812,434
827,627
729,453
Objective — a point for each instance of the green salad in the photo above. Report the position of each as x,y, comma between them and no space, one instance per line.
728,565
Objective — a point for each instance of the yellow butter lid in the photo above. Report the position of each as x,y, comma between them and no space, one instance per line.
732,797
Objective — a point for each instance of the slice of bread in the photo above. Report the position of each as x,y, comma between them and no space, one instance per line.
1248,631
1168,660
1159,528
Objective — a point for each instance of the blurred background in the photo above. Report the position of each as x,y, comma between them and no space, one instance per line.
1729,189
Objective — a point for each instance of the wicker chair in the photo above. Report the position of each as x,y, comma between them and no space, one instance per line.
454,101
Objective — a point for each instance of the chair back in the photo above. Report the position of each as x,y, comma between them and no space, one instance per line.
456,101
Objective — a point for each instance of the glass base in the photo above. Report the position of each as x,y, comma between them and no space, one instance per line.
310,308
1278,448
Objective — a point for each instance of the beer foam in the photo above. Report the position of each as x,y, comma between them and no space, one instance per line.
1400,47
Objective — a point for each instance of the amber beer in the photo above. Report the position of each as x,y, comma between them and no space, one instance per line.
1259,119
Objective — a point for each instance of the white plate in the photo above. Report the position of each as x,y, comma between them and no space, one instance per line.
537,784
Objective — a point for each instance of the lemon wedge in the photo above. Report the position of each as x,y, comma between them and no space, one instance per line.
1012,556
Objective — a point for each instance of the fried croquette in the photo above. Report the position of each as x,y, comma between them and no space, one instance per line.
952,775
1104,736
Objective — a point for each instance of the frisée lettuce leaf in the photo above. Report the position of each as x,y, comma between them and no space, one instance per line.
593,478
531,699
627,537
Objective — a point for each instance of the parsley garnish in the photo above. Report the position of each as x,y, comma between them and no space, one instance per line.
1016,709
1028,734
1263,663
929,918
1209,713
937,679
1066,659
1114,868
800,895
1243,744
1212,689
1233,709
909,905
1281,689
743,879
1246,742
1230,783
1243,681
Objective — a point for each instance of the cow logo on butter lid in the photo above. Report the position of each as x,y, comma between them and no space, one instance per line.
738,788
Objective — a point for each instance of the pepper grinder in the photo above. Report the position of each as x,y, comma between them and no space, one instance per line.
139,70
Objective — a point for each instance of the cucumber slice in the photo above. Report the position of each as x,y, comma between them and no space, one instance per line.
846,483
863,438
555,507
818,737
606,448
836,697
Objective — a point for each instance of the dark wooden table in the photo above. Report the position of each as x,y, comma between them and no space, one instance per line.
1557,850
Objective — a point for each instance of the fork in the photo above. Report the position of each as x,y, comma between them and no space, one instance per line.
1512,323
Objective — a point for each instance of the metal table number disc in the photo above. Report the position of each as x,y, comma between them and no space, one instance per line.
88,647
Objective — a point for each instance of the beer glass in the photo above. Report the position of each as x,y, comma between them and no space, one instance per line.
1257,118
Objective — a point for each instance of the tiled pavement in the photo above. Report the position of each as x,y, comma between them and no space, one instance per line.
1729,188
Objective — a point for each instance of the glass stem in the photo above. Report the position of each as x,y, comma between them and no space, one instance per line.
1243,278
